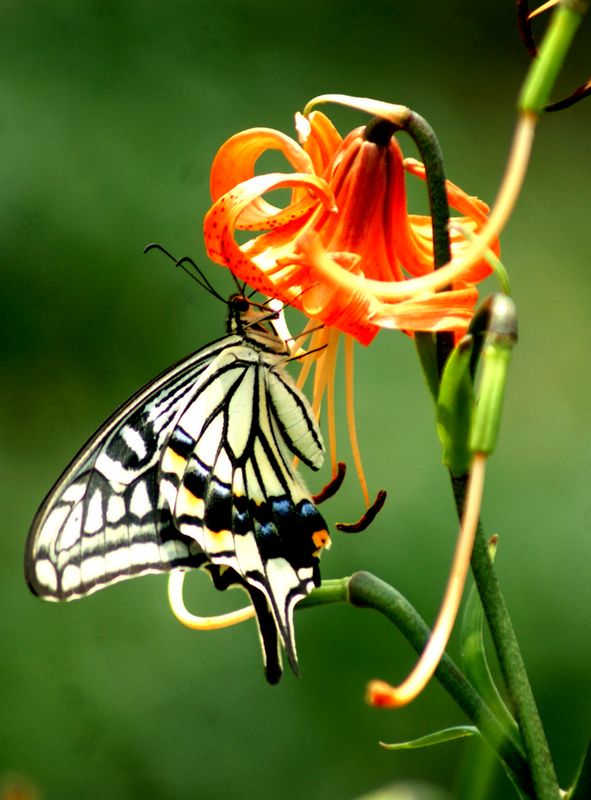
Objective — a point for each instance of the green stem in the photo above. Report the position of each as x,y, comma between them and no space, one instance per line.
510,659
367,591
427,143
475,664
505,641
335,590
546,67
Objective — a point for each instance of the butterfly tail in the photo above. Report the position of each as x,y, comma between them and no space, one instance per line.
268,634
224,577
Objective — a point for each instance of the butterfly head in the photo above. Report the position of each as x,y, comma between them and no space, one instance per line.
254,321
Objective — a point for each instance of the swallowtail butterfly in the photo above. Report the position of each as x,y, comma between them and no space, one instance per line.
195,471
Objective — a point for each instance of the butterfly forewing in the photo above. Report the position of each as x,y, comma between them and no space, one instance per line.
104,520
195,470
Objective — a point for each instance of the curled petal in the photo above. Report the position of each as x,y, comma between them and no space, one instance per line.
445,311
226,215
319,138
235,162
457,198
333,303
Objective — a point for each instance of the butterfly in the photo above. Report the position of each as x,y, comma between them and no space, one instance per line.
196,470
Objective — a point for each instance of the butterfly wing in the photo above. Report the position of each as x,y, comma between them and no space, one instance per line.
229,480
105,520
195,470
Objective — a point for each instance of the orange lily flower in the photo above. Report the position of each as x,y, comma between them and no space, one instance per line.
344,250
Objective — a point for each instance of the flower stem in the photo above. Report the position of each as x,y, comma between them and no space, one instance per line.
510,660
505,641
495,608
546,67
367,591
427,143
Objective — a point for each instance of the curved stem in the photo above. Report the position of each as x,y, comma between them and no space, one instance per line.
427,143
367,591
430,151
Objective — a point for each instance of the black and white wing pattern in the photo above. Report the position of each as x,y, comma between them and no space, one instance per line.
195,470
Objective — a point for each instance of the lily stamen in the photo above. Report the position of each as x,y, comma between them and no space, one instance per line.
333,486
367,518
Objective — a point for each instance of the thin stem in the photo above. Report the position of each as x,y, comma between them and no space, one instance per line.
510,659
430,151
367,591
492,599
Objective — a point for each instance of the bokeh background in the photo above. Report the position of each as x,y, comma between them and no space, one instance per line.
110,113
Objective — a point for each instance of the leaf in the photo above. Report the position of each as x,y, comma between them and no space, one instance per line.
455,408
439,737
427,350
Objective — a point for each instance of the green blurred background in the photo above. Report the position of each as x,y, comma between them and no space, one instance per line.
110,113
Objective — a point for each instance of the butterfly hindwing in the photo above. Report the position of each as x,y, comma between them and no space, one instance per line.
238,494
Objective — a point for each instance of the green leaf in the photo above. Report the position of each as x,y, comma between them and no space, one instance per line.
427,351
439,737
455,406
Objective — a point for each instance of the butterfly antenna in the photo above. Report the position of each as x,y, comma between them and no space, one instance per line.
241,287
155,246
198,275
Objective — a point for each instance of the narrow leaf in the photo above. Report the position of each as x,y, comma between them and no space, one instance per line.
427,350
454,408
439,737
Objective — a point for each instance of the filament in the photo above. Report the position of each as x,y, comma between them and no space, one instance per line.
349,392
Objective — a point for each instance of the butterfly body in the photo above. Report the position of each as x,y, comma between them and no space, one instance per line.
195,470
